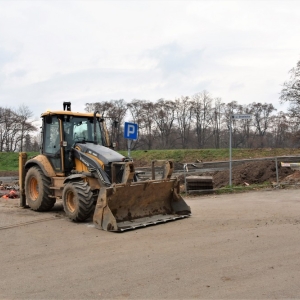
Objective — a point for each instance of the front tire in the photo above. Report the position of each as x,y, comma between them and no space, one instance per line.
37,190
78,200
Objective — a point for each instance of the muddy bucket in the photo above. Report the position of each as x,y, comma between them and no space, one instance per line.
139,204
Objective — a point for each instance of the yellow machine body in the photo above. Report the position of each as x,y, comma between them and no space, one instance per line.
93,180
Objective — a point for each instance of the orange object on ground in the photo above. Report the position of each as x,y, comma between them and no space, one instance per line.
12,194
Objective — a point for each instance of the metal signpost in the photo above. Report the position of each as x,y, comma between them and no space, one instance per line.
130,133
234,117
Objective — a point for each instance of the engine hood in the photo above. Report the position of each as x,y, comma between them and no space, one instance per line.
105,154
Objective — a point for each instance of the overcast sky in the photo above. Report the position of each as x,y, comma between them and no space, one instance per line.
91,51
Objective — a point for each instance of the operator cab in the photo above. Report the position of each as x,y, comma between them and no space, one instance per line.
63,129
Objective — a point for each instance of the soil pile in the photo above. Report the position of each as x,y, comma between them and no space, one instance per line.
294,178
256,172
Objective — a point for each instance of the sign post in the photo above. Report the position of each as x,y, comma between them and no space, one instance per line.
234,117
130,133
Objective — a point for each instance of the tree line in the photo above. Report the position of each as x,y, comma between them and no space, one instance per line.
17,130
199,121
188,122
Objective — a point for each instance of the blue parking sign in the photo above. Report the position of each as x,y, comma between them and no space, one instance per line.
131,131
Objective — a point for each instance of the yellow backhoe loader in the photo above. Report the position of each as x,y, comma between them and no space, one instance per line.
77,164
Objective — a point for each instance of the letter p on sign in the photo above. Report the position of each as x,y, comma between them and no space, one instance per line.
130,131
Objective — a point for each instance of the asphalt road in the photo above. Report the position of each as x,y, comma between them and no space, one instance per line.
239,246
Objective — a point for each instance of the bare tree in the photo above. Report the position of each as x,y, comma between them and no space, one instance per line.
164,117
26,126
280,129
184,112
117,113
262,114
14,126
204,115
142,114
217,122
291,88
2,132
102,107
148,133
245,128
113,110
135,108
291,93
230,109
9,129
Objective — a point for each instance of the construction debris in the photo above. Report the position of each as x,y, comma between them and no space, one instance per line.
199,183
11,195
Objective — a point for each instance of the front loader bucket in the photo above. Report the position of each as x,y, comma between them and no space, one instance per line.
139,204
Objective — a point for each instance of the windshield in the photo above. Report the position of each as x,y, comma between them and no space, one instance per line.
81,129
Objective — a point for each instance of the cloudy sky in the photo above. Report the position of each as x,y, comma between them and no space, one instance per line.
90,51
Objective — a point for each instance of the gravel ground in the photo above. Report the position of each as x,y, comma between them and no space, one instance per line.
234,246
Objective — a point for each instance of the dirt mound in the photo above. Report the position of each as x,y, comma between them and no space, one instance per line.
294,178
256,172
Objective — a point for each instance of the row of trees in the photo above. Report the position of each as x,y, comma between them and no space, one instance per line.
17,130
198,121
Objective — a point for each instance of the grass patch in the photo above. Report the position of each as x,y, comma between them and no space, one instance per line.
191,155
9,160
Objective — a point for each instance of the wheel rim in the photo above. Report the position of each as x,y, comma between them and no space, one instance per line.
70,201
34,189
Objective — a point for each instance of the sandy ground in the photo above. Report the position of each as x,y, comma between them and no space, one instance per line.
235,246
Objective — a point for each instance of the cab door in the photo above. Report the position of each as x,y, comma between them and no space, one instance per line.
52,142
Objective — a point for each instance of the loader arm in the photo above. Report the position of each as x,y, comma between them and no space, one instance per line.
93,166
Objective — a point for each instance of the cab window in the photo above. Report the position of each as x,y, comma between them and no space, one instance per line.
51,136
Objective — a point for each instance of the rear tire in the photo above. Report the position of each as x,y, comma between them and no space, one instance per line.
78,200
37,190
